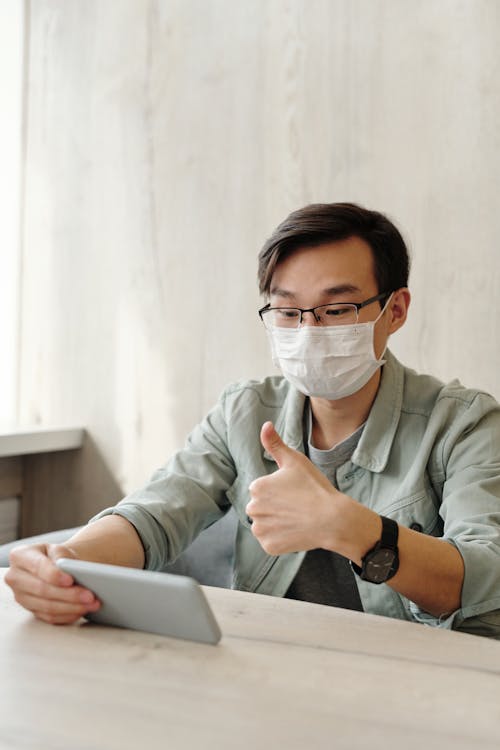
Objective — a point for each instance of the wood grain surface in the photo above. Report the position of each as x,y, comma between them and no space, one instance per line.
285,674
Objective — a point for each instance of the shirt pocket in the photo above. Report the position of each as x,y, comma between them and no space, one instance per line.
418,511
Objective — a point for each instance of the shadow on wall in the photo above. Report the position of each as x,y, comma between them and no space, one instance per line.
65,488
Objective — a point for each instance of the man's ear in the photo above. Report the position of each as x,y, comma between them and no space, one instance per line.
398,308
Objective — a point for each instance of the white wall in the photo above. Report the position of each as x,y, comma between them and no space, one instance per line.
167,139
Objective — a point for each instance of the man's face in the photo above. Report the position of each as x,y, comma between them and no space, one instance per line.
335,272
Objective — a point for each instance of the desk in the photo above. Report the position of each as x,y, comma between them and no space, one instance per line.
59,475
27,466
285,675
23,441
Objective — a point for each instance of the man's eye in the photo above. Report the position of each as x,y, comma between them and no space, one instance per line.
289,314
338,311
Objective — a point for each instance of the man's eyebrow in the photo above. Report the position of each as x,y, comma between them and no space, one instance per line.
332,291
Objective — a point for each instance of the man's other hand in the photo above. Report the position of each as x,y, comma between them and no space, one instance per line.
42,588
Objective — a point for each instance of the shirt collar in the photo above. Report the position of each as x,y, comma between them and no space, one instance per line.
375,445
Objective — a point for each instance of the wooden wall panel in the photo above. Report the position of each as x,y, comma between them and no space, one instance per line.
65,488
11,480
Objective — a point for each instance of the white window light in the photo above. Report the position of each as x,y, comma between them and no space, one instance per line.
11,86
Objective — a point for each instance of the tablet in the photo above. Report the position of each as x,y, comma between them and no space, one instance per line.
160,603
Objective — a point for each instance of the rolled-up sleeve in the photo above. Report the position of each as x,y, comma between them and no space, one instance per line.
470,510
183,497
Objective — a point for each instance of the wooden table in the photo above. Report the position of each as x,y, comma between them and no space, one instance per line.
285,675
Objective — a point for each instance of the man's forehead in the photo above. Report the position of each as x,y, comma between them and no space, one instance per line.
340,267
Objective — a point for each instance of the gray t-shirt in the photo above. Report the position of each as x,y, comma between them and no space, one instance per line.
326,577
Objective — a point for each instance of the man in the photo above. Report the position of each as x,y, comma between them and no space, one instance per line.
356,481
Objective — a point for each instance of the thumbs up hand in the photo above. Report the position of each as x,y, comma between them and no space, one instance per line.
296,508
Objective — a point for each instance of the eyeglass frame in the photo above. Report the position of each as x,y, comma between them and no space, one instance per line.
358,305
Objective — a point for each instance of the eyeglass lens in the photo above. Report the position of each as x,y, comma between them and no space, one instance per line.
325,315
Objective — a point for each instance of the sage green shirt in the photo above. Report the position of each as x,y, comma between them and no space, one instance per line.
429,454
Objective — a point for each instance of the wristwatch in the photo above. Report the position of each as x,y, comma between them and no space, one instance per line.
382,561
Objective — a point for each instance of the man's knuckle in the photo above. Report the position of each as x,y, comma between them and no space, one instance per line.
270,548
255,486
38,588
52,608
45,616
41,589
276,444
16,554
9,577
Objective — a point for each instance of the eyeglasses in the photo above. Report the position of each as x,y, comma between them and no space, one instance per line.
335,314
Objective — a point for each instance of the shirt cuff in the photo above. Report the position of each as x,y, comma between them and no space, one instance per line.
152,536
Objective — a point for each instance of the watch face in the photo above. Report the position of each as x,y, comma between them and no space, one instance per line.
379,566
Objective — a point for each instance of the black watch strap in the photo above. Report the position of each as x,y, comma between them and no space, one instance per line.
370,569
390,533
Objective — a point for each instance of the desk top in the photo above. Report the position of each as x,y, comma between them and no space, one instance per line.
286,674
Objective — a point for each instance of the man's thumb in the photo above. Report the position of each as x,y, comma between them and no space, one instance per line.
274,444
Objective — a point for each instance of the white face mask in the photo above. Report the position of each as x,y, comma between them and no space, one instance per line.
327,362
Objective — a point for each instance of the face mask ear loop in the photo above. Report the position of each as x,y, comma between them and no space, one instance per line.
378,318
384,308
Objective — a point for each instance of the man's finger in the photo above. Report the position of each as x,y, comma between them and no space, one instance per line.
34,559
55,607
274,445
24,584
